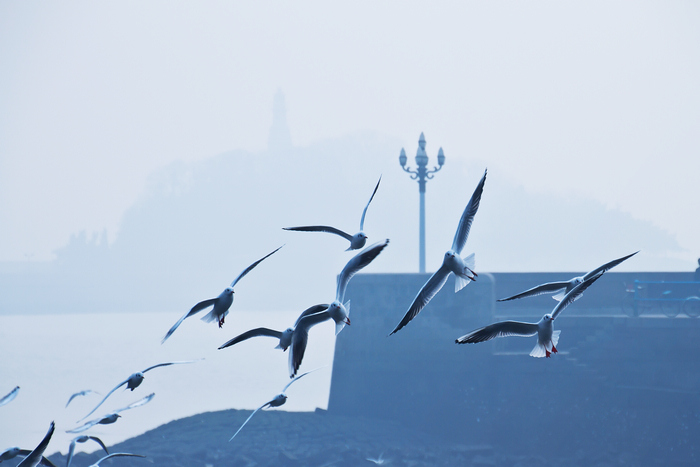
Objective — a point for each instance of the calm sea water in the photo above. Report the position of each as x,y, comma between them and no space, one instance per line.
53,356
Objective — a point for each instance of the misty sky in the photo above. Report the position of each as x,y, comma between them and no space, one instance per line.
587,100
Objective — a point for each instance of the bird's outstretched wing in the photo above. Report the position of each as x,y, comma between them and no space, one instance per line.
34,458
549,287
257,332
608,266
81,393
364,212
82,439
299,377
25,452
116,454
501,329
170,363
574,294
312,310
321,228
465,222
250,268
426,293
194,310
248,419
300,338
85,426
10,396
357,262
104,399
138,403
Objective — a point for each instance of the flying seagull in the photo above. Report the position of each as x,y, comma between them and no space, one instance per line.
357,241
10,396
221,304
81,393
297,336
112,417
337,310
547,338
116,454
451,262
560,289
83,439
132,382
13,452
277,401
34,458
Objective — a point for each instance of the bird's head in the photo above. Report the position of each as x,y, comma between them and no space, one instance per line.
229,290
547,317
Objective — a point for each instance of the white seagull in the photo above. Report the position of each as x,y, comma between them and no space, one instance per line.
338,311
116,454
451,262
10,396
297,336
560,289
547,338
357,241
278,400
112,417
133,381
35,457
11,453
81,393
221,304
83,439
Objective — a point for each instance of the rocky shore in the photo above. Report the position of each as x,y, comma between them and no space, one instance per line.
277,438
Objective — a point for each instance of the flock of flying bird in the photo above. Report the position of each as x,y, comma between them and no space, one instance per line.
295,338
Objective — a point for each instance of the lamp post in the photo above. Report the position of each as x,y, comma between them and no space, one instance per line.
422,174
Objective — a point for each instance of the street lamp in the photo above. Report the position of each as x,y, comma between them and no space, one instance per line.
422,174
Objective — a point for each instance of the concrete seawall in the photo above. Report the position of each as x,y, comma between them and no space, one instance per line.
618,382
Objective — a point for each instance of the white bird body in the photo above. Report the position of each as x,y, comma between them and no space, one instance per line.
547,337
357,240
452,262
220,304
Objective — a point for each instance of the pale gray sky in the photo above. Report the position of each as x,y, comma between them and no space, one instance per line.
566,100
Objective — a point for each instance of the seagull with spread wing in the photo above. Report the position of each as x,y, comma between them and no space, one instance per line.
297,336
134,381
561,288
113,416
462,268
10,396
547,338
83,439
221,304
81,393
35,457
277,401
357,241
13,452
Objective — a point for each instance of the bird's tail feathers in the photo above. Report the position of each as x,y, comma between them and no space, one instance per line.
469,261
539,351
555,338
461,282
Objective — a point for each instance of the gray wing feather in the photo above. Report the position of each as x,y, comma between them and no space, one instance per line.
312,310
500,329
138,403
608,266
169,363
105,398
248,419
321,228
250,268
549,287
257,332
34,457
426,293
364,212
10,396
574,294
358,262
298,378
194,310
465,223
